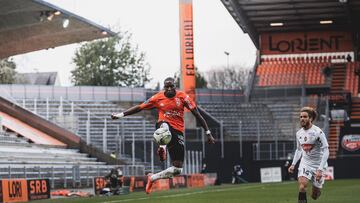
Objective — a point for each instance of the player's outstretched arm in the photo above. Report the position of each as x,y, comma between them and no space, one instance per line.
130,111
203,123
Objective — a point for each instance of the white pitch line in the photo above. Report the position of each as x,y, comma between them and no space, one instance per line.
186,194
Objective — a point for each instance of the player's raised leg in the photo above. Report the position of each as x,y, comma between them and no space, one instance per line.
176,152
170,172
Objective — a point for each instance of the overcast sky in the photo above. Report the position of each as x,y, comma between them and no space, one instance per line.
155,28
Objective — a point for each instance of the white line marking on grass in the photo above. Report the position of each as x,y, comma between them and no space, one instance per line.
187,194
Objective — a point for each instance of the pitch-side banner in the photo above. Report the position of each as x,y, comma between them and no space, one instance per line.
187,48
270,174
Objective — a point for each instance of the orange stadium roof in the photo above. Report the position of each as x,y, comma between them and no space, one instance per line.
32,25
259,16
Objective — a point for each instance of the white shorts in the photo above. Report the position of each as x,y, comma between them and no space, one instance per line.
310,173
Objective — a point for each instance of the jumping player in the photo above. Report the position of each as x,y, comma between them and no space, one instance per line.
170,104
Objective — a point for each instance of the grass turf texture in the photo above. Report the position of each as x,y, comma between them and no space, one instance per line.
341,191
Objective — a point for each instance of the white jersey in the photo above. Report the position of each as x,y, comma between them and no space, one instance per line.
312,142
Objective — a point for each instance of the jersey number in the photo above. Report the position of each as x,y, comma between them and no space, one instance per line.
307,172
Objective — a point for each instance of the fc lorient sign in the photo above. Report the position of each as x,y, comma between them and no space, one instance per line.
308,42
305,44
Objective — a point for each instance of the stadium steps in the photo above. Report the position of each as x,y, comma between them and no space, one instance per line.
338,78
355,110
334,138
9,138
249,114
337,87
75,118
19,158
352,82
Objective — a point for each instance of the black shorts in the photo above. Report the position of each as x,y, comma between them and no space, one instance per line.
176,145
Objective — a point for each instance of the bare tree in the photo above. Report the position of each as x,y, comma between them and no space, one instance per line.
199,77
234,77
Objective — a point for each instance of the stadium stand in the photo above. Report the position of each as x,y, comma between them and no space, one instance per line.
248,113
7,137
285,113
291,72
64,167
25,130
77,115
21,157
342,80
276,116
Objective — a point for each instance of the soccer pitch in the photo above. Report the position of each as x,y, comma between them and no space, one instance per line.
341,191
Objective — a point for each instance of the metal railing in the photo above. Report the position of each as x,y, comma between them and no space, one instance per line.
273,151
242,130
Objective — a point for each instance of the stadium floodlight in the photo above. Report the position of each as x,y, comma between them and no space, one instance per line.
65,23
41,17
49,16
326,21
276,24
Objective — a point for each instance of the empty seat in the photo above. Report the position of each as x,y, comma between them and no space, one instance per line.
306,71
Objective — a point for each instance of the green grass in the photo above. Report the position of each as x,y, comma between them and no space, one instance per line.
341,191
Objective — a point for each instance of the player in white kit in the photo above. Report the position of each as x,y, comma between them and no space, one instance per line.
313,150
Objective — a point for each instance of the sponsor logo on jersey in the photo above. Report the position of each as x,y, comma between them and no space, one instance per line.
177,100
351,142
307,147
172,113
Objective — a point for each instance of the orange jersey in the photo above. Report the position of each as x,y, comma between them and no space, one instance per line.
170,110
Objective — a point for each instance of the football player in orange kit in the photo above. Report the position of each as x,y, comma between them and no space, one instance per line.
170,104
